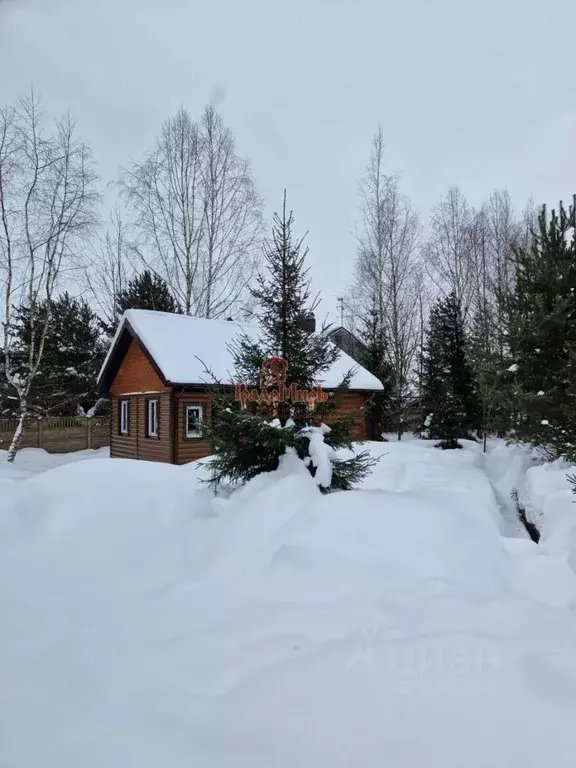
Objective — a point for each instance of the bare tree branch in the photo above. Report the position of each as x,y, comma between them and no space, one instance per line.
448,252
197,214
108,269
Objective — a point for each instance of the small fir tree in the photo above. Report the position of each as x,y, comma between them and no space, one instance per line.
147,291
246,442
542,336
450,404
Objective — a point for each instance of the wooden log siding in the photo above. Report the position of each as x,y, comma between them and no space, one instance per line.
136,374
354,402
136,444
196,448
155,448
124,446
137,382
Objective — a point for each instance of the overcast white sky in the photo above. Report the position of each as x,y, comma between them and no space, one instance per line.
479,94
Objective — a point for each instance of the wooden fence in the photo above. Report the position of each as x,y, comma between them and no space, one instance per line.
58,434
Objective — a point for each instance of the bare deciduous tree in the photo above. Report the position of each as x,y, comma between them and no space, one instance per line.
504,230
448,251
482,305
494,232
197,215
386,267
108,269
47,207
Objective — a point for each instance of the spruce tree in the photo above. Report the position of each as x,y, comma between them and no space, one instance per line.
72,357
246,442
147,291
450,404
375,359
542,336
488,362
283,306
8,400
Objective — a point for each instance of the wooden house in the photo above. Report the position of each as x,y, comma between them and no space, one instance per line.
158,375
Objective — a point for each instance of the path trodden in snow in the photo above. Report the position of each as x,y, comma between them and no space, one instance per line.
146,624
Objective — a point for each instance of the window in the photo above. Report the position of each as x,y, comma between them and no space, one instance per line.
124,417
152,418
193,417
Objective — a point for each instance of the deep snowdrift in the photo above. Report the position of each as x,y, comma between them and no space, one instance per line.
146,623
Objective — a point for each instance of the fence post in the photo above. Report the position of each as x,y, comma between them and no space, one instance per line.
40,433
89,432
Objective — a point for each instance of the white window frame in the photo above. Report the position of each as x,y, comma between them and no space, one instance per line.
152,418
194,434
124,417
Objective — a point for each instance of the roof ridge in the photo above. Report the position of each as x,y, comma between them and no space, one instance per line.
192,317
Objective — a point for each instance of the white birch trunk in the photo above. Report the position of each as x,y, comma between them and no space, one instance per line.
17,438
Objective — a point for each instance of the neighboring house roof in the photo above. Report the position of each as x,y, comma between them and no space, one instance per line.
192,350
345,334
347,342
342,329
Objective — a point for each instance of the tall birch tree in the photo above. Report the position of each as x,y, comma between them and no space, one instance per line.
196,214
386,270
48,205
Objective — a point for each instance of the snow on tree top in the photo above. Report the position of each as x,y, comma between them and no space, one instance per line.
191,350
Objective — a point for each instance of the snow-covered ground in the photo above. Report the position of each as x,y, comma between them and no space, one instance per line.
543,492
407,624
31,461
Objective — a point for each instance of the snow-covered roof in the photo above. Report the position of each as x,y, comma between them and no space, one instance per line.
185,347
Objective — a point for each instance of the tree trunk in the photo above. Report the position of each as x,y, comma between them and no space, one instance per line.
17,439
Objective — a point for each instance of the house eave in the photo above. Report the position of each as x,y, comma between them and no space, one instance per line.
110,364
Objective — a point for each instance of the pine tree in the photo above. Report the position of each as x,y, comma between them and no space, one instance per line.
450,404
248,442
147,291
542,336
73,354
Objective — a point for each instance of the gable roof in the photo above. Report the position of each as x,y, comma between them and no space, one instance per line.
342,329
187,350
346,341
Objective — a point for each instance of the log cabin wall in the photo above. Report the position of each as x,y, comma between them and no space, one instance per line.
137,444
136,373
123,446
354,402
190,449
137,382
